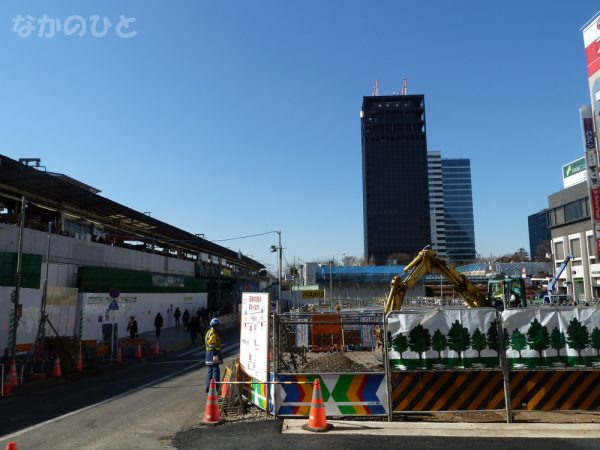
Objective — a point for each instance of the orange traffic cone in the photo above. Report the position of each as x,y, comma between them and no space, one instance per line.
13,373
138,352
317,420
156,348
11,446
7,386
56,372
79,362
211,412
119,355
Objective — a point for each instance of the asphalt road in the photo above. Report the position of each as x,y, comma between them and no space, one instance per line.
139,406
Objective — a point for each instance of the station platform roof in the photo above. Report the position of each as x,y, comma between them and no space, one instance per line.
62,193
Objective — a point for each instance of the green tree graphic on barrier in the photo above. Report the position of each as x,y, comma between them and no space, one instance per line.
459,339
400,344
538,338
478,342
492,336
439,342
518,341
578,336
557,340
595,340
419,340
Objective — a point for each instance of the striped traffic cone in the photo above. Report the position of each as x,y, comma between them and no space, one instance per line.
56,372
211,412
156,348
317,420
138,352
79,363
11,446
13,373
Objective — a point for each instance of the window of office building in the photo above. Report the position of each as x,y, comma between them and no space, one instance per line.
591,243
576,248
559,251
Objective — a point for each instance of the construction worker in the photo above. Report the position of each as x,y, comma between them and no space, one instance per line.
212,342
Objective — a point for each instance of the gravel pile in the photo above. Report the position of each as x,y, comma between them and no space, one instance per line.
333,362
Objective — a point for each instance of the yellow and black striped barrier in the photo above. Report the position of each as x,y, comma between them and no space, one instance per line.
555,390
447,391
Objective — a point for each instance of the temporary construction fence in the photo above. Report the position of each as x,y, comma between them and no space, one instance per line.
441,359
471,359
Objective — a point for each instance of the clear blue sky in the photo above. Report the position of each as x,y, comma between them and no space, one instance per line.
232,118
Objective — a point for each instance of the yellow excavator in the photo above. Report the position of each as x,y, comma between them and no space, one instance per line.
426,262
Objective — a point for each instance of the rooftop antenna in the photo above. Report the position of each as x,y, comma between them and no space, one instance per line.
404,86
376,88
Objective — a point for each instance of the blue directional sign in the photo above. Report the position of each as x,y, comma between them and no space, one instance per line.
114,306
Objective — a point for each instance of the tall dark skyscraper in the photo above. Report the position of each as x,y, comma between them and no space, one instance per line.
538,234
395,179
458,210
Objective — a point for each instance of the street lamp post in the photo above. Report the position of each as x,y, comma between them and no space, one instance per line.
278,249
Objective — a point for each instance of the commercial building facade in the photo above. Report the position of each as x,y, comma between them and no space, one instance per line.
395,178
571,232
436,203
458,210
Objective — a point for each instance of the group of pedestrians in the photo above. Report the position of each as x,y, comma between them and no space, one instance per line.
194,324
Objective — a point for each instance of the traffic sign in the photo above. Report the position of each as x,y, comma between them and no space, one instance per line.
114,306
114,292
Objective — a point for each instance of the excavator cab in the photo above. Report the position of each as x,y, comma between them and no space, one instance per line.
507,292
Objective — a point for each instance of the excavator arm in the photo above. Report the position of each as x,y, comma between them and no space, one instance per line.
425,262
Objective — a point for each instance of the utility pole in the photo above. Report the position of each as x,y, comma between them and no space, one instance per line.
18,281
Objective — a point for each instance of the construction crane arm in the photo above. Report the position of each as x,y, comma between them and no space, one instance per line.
425,262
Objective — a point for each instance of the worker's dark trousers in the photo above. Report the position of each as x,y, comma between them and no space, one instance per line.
213,373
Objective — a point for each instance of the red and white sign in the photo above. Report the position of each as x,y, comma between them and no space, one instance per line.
254,334
596,204
591,40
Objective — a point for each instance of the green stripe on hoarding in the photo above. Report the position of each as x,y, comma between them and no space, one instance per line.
31,270
101,279
340,391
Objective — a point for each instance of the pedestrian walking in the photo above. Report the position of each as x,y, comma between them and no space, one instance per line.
185,318
193,327
212,343
177,315
132,327
158,324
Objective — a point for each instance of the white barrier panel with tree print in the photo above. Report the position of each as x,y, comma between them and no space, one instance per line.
550,337
449,338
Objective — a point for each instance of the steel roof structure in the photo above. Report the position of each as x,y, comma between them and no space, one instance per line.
64,194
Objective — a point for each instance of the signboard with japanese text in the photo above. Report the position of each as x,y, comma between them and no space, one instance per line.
254,335
314,294
302,333
591,41
596,203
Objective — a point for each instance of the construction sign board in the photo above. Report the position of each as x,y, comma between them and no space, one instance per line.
254,334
